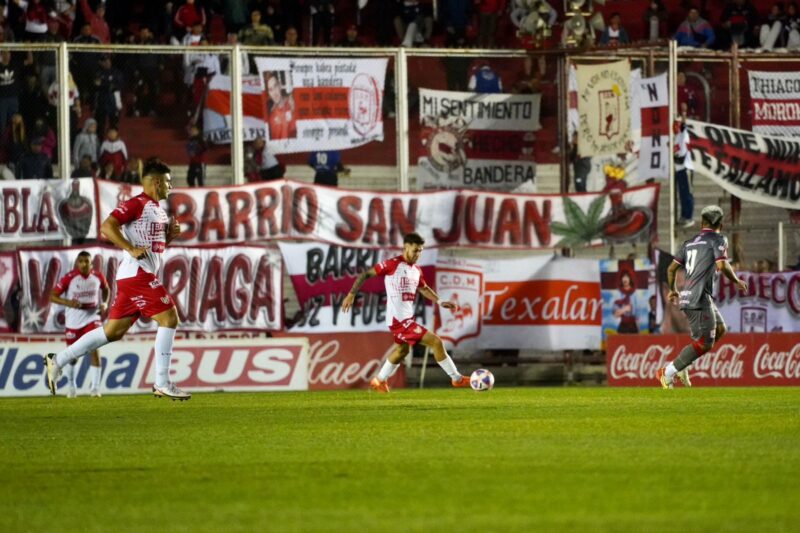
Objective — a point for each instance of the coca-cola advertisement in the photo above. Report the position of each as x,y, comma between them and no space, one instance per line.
347,360
739,359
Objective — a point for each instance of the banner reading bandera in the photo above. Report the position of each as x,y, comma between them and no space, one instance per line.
226,287
217,111
477,140
775,102
753,167
604,108
368,219
335,103
41,210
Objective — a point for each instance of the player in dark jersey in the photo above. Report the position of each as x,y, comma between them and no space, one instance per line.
701,257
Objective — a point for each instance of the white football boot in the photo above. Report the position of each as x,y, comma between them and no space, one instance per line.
171,391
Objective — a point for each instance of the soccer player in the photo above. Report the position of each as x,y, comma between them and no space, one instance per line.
79,291
402,280
140,227
701,256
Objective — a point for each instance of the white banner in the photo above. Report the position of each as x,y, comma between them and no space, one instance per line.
753,167
537,302
604,108
771,304
217,110
650,128
322,103
368,219
483,141
322,275
214,288
775,102
259,364
42,210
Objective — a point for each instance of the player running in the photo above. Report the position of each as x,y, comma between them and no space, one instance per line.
402,280
701,256
80,292
140,227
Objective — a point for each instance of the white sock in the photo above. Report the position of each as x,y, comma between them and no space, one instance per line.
671,371
86,344
449,366
387,370
94,377
165,337
69,371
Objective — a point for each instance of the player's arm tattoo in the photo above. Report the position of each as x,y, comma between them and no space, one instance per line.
364,276
671,270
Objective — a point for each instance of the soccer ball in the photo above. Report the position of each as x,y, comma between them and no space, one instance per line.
481,380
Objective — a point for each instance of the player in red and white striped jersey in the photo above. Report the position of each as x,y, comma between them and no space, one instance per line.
80,292
403,278
141,227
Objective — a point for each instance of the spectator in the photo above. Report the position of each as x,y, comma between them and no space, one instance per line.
85,169
196,148
113,152
14,142
187,16
655,20
224,59
193,36
614,34
274,20
65,15
97,21
166,23
484,80
327,165
107,97
73,101
10,74
488,13
35,19
456,15
739,19
413,25
6,32
771,33
456,66
132,173
687,98
41,130
33,102
144,75
529,79
260,164
84,64
235,15
683,169
205,66
791,30
47,58
388,14
581,166
292,38
350,37
34,164
256,33
695,31
323,14
86,143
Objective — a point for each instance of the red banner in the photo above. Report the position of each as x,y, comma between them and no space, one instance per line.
740,359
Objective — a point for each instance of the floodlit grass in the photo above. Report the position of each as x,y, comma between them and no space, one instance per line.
567,459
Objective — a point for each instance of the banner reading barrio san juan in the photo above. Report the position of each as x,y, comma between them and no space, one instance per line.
41,210
294,210
471,140
214,288
322,103
537,302
604,108
775,102
217,111
756,168
322,275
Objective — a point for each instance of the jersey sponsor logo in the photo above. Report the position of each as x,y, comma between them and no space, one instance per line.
158,247
409,296
165,299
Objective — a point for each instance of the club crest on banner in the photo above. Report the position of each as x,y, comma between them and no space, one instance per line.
610,115
365,103
445,143
754,319
464,288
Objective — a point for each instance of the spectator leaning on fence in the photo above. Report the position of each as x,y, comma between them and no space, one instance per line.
34,164
187,16
695,31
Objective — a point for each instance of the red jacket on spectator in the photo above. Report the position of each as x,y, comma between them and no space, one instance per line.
188,15
116,153
99,26
36,18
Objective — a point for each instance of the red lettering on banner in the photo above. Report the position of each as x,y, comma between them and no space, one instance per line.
638,365
508,223
266,211
212,291
185,209
474,235
27,224
724,362
10,211
540,223
237,299
196,276
46,215
402,222
288,207
176,277
454,235
240,205
40,294
779,288
262,291
348,207
307,196
376,222
212,218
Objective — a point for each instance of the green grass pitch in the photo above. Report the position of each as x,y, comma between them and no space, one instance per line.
560,459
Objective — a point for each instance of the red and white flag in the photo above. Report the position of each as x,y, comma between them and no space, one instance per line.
217,111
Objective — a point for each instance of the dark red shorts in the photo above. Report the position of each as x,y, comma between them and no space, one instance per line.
407,332
75,334
141,295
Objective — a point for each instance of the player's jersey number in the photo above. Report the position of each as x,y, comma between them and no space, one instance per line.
691,256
